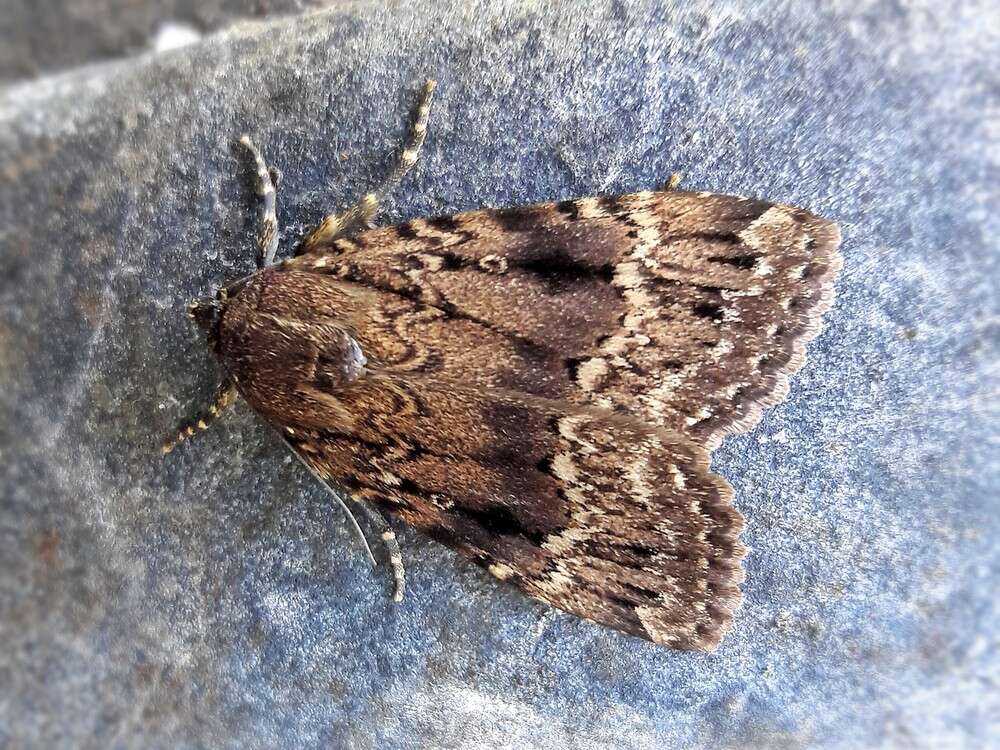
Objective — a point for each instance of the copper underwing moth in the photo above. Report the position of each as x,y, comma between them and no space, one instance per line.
538,388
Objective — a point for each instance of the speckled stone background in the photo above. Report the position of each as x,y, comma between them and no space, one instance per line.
215,598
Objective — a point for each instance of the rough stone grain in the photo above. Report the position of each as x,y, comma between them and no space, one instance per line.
42,37
215,598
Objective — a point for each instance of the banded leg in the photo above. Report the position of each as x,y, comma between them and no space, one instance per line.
375,517
225,396
361,213
267,237
391,547
336,496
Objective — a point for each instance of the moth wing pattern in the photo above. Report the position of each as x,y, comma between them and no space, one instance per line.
595,513
540,387
687,310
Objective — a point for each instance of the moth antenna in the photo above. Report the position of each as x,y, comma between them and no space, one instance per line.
267,234
224,397
340,502
362,212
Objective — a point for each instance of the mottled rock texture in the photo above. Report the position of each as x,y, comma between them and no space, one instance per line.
216,598
39,36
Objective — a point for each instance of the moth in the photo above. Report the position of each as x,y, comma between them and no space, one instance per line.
539,388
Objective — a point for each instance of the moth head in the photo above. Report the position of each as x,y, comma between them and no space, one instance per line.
207,313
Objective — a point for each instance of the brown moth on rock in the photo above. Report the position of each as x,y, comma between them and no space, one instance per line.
538,388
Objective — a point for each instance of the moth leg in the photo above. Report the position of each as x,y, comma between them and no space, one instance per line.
673,183
223,398
337,497
267,236
391,547
376,518
362,212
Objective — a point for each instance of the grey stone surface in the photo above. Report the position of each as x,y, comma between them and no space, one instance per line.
215,598
40,36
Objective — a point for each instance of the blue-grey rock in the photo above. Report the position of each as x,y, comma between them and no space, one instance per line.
42,37
215,597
